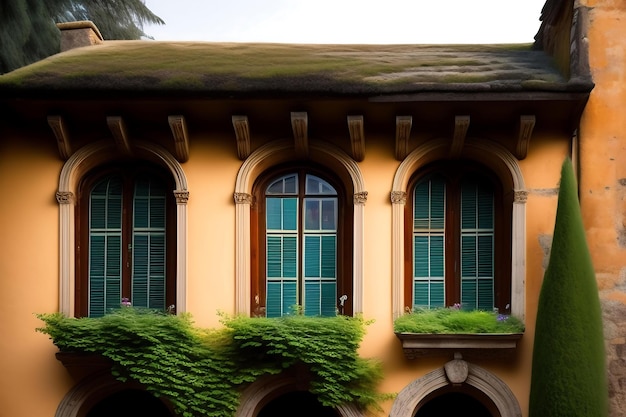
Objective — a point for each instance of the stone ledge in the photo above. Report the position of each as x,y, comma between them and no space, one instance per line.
417,345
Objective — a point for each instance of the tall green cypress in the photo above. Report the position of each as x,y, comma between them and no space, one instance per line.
568,370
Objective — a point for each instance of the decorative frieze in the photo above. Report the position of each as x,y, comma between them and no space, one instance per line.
360,197
398,197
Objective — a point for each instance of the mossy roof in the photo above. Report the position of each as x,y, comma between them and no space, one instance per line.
238,69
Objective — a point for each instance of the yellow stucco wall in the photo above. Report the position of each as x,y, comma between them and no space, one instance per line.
29,260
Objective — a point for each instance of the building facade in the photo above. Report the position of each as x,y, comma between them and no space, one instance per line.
351,179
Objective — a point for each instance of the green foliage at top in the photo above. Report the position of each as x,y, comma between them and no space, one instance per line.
28,31
456,321
568,371
201,371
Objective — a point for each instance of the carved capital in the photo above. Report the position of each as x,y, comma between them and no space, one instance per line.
181,197
243,198
520,196
65,197
398,197
360,198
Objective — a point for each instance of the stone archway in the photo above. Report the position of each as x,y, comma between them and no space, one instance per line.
268,388
457,373
95,392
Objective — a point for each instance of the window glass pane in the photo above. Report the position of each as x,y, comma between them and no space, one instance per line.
284,185
316,185
329,214
312,214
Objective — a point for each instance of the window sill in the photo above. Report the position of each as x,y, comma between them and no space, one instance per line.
417,345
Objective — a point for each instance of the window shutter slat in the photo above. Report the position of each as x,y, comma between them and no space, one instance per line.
428,243
148,273
105,241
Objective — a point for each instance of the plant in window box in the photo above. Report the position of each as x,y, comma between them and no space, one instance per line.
425,331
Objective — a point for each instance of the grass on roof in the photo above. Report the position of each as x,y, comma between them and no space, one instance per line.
231,66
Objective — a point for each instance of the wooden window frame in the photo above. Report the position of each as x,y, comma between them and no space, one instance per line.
127,171
453,172
257,233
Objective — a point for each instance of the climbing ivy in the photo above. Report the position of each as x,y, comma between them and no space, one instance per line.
201,371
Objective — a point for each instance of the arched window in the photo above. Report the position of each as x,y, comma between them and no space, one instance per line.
458,239
125,230
300,220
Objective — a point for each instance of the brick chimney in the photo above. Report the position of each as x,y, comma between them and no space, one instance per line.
78,34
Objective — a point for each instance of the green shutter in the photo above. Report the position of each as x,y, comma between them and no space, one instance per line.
105,251
320,272
477,245
281,285
148,245
428,243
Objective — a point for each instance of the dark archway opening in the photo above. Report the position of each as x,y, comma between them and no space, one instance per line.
297,403
452,404
130,403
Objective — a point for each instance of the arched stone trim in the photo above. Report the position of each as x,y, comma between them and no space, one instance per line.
265,389
505,165
274,153
88,392
407,402
75,167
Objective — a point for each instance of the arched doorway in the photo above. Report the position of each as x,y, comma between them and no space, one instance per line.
469,385
129,402
301,403
454,403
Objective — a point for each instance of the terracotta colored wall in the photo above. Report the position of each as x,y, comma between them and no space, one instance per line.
603,180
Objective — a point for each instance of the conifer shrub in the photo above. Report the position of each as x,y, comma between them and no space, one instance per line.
568,370
203,371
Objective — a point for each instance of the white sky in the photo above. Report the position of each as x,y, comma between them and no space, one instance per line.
347,21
